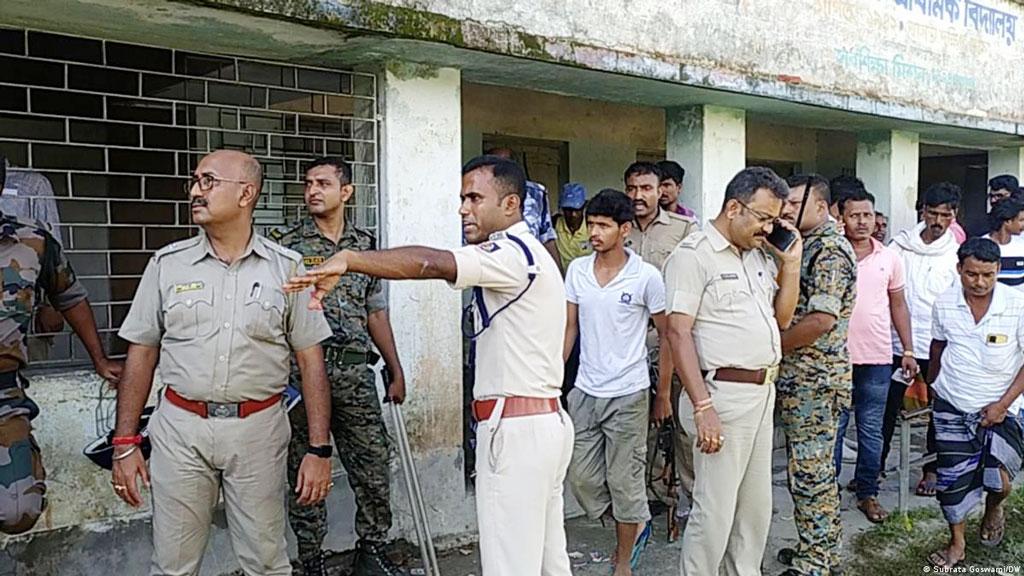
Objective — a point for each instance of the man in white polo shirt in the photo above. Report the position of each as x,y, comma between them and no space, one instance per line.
977,352
612,295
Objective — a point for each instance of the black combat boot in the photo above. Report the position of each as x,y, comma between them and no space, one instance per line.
371,560
314,566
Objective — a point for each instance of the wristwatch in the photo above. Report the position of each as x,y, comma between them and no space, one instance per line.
324,451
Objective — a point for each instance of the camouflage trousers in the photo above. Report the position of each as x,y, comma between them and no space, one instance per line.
359,435
22,477
809,414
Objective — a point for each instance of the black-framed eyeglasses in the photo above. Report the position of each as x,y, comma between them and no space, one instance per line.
761,216
207,182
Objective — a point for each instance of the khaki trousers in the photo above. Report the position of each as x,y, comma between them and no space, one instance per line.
732,492
192,460
520,472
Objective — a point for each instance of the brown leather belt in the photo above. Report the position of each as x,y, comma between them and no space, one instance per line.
744,376
515,406
220,409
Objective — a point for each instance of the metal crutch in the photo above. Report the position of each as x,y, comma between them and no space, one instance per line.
412,487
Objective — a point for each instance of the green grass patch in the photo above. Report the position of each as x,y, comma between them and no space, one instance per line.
901,545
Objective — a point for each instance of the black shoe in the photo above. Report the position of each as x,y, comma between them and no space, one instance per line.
791,572
786,556
314,566
371,560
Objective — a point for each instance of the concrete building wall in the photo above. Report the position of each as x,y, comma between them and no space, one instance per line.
604,138
921,59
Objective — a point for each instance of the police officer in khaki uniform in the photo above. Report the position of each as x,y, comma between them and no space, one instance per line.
211,314
656,232
524,440
723,288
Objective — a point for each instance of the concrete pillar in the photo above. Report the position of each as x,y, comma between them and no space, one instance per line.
710,143
421,177
1006,161
888,162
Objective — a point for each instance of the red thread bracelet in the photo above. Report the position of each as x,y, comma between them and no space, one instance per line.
127,440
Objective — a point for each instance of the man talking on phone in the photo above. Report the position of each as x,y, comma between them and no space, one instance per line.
816,377
727,298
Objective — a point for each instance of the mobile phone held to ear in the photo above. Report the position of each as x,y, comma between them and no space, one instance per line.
780,237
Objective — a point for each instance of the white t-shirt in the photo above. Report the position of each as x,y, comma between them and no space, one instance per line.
981,359
1011,255
613,324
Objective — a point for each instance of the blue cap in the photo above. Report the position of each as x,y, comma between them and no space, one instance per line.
574,196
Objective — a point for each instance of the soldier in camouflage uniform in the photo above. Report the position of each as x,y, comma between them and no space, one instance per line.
815,379
356,311
33,265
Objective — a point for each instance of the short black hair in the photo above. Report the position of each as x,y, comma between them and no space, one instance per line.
748,181
641,168
943,193
343,168
857,196
611,204
1006,182
815,182
844,184
509,176
877,213
671,170
981,249
1003,212
611,190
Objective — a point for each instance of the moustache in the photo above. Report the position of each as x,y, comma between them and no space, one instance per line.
198,202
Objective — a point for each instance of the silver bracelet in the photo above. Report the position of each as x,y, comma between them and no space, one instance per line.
125,454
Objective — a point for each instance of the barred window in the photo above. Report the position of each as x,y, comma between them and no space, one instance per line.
114,130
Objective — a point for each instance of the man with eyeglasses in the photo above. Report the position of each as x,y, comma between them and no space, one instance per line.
211,314
727,297
358,315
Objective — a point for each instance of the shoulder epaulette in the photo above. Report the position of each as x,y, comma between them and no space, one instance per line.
176,247
681,217
278,233
286,252
693,240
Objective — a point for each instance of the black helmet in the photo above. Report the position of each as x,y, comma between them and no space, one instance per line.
101,450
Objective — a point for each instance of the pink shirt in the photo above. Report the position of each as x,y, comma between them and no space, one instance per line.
958,232
870,336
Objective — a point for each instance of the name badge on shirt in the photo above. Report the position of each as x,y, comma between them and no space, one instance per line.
489,247
730,276
312,260
190,287
997,339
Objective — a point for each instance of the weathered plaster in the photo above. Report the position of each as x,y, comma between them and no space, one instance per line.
835,60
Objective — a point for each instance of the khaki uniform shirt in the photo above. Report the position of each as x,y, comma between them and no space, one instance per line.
520,354
661,236
225,332
731,297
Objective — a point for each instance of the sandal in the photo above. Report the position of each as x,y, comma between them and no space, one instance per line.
926,487
991,535
941,559
872,510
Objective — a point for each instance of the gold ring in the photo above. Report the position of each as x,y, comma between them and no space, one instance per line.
331,485
721,438
118,487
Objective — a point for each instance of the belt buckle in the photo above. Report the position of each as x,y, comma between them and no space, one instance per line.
221,410
771,374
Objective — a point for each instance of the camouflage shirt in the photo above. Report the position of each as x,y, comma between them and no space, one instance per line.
355,297
34,265
828,284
